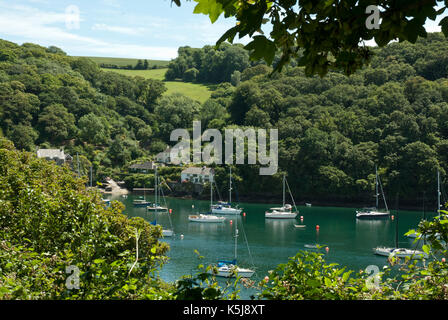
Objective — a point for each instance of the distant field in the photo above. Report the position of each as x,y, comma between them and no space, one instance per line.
122,62
158,74
195,91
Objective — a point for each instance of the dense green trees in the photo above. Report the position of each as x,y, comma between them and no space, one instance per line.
326,35
50,99
332,130
208,65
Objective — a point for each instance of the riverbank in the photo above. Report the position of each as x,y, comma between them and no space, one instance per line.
274,200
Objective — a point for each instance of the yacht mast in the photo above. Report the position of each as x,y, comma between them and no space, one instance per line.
230,185
376,186
236,237
438,191
155,186
283,190
211,191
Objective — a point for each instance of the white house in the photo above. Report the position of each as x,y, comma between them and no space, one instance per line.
164,156
56,155
197,175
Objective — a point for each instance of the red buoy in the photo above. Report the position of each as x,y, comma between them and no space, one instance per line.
327,249
171,210
301,217
231,221
317,227
392,217
244,214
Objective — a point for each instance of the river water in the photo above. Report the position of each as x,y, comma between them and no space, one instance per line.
271,241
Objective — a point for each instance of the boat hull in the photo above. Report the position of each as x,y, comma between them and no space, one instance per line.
372,214
206,219
280,215
159,209
142,204
226,211
400,253
233,272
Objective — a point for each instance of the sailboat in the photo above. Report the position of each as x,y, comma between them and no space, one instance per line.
375,212
399,252
156,206
229,268
223,207
141,202
439,206
284,212
206,218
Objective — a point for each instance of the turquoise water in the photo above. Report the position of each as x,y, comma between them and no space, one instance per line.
272,241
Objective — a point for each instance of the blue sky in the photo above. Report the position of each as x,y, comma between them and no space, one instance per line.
151,29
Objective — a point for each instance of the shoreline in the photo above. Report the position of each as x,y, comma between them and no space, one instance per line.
320,203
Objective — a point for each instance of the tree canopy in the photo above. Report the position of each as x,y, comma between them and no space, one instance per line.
322,35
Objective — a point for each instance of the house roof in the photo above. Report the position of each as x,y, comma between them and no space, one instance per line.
198,170
148,165
52,154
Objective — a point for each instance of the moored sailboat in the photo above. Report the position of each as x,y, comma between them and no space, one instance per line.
230,268
223,207
399,252
375,212
156,207
285,211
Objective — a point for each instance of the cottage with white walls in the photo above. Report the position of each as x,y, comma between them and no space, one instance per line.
198,175
56,155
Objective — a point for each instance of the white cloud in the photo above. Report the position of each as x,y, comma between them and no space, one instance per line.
48,28
118,29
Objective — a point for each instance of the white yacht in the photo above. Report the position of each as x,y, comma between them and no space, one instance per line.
283,212
375,212
400,252
229,269
156,207
223,207
205,218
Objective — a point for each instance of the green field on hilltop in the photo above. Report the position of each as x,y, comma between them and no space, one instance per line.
123,62
196,91
158,74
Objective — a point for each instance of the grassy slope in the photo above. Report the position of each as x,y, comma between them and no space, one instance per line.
122,62
195,91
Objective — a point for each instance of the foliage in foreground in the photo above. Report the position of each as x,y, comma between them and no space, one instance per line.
308,276
51,226
49,221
